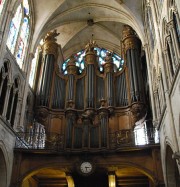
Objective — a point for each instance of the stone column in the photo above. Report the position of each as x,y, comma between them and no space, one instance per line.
171,53
25,88
6,100
169,73
2,82
150,79
12,104
174,40
17,125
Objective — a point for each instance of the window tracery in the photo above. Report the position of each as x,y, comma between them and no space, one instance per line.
19,32
101,53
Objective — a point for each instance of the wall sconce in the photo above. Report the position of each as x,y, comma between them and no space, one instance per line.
176,156
112,179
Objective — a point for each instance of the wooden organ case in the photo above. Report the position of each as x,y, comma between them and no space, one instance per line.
88,109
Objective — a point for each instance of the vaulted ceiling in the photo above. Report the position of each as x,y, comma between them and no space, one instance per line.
70,18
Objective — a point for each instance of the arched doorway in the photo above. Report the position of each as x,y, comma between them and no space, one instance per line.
3,170
172,173
46,177
128,176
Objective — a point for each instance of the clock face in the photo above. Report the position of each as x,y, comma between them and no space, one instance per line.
86,167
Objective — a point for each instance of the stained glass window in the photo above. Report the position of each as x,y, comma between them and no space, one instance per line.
22,42
14,29
19,32
101,53
1,5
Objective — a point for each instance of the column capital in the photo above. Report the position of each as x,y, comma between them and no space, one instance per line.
170,24
145,46
9,85
168,39
165,50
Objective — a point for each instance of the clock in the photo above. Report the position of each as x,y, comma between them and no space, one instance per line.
86,168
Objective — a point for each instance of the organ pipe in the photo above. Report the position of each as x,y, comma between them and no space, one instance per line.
108,68
90,60
71,71
50,52
132,49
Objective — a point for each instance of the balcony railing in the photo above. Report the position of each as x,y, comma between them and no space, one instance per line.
116,140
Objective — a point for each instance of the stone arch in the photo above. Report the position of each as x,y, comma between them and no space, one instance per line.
3,167
27,175
172,173
141,169
32,172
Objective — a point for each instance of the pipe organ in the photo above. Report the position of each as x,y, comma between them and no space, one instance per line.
87,107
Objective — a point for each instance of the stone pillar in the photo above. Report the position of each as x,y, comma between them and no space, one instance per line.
168,73
131,45
50,53
90,60
12,104
6,100
174,40
2,82
171,53
150,79
17,126
71,71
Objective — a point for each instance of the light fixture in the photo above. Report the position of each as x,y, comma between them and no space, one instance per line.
70,180
112,179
